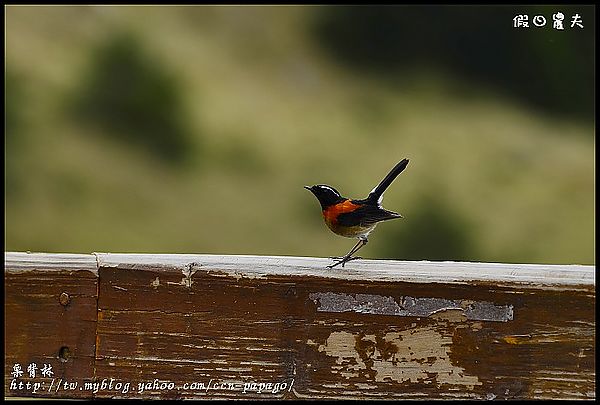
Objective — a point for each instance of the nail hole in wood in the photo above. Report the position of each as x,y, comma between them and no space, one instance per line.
64,354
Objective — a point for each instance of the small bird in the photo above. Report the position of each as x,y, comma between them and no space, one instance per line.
355,218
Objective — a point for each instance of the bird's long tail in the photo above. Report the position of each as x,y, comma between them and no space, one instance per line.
377,193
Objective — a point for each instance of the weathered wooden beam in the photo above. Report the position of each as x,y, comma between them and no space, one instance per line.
195,326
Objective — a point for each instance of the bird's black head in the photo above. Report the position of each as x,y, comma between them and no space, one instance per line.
326,195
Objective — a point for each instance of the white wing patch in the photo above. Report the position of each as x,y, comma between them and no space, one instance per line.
380,199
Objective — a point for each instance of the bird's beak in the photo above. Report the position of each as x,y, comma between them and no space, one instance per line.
309,188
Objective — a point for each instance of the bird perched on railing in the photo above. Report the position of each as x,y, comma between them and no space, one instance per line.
355,218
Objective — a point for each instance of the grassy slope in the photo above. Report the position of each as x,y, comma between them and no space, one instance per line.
272,114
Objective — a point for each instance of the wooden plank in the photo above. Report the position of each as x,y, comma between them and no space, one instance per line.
226,326
50,309
568,277
205,326
151,326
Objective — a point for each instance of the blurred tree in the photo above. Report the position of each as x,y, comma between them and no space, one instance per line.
13,110
549,68
433,231
129,95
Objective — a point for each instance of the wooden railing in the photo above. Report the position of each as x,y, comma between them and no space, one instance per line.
206,326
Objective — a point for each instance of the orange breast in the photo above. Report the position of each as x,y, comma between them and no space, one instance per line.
330,215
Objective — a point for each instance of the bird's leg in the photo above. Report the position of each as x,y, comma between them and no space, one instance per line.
353,250
348,257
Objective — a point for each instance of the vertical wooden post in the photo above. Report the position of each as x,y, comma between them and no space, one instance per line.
50,310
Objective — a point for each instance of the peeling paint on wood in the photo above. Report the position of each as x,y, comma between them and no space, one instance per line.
415,355
410,306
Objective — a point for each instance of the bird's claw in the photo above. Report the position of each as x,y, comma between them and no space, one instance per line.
342,261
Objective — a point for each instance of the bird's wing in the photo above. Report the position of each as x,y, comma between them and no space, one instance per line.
366,216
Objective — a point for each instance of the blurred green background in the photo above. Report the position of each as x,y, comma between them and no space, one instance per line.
192,129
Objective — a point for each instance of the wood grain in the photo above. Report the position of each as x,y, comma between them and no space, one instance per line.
42,330
205,326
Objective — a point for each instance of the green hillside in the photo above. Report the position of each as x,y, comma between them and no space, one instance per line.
263,110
